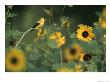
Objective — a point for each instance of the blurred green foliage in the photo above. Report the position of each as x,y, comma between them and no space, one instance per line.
43,55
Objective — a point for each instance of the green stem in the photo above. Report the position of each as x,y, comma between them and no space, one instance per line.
104,60
62,10
101,62
69,32
61,56
6,16
50,19
11,24
11,21
25,69
51,12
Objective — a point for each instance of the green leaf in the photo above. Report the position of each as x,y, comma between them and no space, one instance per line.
63,19
73,35
68,65
10,6
58,28
56,66
91,47
92,67
12,14
36,68
98,14
51,43
42,69
14,33
30,67
54,56
28,47
34,57
95,59
48,12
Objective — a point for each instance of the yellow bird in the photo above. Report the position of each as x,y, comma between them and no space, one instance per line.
39,23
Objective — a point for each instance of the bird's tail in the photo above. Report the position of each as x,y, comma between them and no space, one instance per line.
33,27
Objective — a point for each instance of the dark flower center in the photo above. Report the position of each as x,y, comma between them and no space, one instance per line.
66,24
11,43
72,51
14,60
65,61
85,34
87,57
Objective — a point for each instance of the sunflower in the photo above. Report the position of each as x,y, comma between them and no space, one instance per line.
77,68
85,33
103,12
66,24
64,69
55,36
58,38
73,53
14,60
102,19
65,21
60,41
81,57
102,22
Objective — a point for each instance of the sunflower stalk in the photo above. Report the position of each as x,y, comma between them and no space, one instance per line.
6,16
103,61
62,10
69,32
61,56
51,14
25,69
49,19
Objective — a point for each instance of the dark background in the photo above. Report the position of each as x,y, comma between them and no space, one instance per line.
29,14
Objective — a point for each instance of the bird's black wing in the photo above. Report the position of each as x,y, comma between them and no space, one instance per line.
35,25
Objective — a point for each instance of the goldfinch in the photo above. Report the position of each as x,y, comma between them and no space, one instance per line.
39,23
